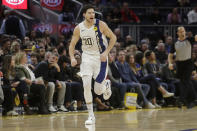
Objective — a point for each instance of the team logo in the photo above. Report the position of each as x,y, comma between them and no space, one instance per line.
52,3
88,41
95,28
15,2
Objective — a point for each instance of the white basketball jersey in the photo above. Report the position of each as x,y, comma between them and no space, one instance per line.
90,44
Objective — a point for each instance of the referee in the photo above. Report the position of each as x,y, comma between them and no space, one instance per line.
184,64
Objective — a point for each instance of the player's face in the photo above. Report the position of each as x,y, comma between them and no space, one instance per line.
89,15
181,32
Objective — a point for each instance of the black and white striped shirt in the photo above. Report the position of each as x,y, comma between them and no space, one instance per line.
183,50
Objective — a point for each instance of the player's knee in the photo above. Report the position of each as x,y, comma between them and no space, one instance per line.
98,91
98,88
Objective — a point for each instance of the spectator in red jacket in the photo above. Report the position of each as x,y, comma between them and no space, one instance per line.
128,16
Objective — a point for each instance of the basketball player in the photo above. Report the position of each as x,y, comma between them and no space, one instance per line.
184,64
95,47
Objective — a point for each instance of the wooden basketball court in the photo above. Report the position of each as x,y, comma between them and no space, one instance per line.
169,119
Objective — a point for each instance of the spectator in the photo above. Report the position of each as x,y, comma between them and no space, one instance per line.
152,65
183,3
41,52
128,16
130,80
10,82
118,35
168,76
36,86
15,47
174,17
156,17
168,43
74,86
192,16
129,41
12,25
50,71
132,49
32,35
144,45
34,59
6,45
144,77
190,37
160,53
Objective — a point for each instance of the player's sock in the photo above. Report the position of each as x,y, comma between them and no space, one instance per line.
90,110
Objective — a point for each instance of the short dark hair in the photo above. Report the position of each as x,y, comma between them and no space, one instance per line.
148,53
138,57
61,50
86,7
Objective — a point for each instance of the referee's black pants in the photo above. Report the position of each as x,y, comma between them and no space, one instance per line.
184,72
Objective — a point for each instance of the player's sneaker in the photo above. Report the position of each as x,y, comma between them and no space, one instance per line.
107,94
90,121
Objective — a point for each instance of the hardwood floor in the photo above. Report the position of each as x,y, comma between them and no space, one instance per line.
169,119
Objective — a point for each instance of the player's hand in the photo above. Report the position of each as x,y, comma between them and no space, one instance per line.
104,57
73,62
170,66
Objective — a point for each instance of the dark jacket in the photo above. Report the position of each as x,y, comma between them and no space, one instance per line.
42,70
49,74
161,56
114,70
126,73
167,74
153,69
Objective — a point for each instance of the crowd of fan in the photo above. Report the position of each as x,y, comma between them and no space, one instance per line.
37,72
127,12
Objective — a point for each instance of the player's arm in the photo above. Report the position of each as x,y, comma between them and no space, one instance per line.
108,33
72,45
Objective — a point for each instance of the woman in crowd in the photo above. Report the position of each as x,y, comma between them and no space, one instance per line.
35,86
11,83
137,65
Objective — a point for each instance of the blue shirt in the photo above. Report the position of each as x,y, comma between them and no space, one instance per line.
126,73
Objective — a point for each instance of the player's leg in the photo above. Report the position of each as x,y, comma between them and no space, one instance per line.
87,82
102,85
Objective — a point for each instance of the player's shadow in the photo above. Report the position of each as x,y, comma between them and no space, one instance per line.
90,127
